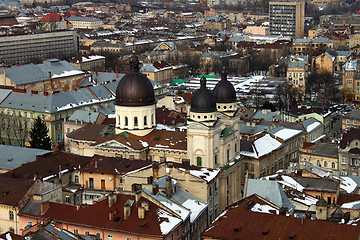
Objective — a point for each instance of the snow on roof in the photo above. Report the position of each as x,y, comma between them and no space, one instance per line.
290,182
348,184
352,64
177,208
306,200
91,58
265,145
286,133
168,225
145,144
163,127
262,208
351,204
312,126
67,73
137,170
204,173
196,207
179,100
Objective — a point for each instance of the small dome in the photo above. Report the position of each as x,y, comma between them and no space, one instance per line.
135,89
224,91
203,100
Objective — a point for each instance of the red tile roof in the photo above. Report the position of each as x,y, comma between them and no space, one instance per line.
51,17
169,117
13,190
354,133
240,223
12,235
97,216
156,139
100,164
346,198
48,164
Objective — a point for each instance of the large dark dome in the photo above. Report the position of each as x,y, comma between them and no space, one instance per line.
134,89
224,91
203,100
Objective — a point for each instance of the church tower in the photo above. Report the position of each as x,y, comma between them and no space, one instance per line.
227,109
204,129
135,103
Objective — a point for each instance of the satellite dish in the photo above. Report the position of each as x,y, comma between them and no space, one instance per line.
110,178
167,170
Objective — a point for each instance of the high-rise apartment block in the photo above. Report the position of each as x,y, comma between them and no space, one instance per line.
287,18
22,49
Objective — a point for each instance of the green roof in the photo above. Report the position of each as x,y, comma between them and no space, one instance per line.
226,132
108,130
208,76
177,82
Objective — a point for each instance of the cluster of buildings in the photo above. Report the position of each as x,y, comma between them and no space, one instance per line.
202,129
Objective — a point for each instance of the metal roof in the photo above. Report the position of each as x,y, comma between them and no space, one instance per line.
13,157
32,73
271,191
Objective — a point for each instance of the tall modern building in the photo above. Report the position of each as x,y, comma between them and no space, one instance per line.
22,49
287,18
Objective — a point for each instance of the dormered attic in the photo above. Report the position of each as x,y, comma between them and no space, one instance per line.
50,76
99,139
238,221
120,215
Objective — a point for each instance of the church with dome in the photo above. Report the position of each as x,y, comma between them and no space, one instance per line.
211,138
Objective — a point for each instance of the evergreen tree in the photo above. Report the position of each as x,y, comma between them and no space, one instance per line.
39,135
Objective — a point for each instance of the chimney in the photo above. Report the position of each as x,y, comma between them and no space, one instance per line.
141,212
110,201
155,189
145,205
49,75
111,215
282,211
77,207
37,197
137,196
35,176
168,186
44,206
96,164
127,210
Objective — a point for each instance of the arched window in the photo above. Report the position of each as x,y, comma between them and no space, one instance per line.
76,179
325,164
126,121
145,121
198,161
332,165
135,121
318,163
11,215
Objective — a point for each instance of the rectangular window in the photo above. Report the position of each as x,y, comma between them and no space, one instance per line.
86,233
198,161
76,231
67,199
109,237
91,183
121,181
343,159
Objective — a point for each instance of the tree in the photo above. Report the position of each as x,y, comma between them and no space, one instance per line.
39,135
